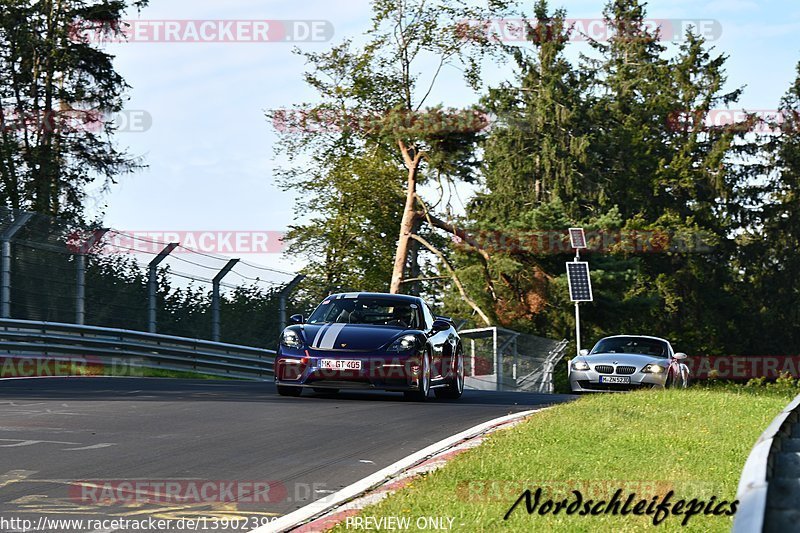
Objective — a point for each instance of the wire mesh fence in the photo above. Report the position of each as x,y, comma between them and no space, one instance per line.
57,271
503,359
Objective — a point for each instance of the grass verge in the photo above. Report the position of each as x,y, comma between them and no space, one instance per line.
693,442
139,372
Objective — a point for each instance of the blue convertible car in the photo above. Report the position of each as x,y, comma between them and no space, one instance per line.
379,341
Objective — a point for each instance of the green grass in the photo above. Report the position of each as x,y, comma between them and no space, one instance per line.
176,374
140,372
693,441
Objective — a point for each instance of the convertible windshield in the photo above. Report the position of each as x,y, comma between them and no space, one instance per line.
375,311
636,345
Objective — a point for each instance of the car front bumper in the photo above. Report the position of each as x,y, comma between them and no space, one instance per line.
589,381
395,372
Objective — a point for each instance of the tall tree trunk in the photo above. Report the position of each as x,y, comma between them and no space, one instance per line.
409,216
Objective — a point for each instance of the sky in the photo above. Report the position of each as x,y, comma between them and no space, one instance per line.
209,148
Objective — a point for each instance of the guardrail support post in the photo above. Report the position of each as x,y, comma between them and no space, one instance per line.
282,299
498,360
80,275
152,284
5,263
215,320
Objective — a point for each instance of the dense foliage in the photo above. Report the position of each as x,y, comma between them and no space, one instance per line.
694,224
58,93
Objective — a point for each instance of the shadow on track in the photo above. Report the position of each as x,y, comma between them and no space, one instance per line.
172,390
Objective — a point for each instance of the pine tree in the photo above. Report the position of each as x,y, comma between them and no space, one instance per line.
57,89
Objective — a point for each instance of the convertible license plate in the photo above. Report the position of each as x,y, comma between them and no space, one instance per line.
340,364
615,379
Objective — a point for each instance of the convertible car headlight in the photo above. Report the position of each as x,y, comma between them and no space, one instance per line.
403,344
291,339
580,366
653,369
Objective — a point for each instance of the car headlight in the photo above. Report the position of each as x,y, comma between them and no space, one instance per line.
580,366
403,344
653,369
291,339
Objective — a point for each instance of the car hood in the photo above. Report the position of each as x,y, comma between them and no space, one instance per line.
631,359
350,337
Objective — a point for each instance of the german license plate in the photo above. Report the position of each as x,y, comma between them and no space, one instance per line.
615,379
340,364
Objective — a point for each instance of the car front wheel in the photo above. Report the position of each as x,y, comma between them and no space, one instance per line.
424,382
455,388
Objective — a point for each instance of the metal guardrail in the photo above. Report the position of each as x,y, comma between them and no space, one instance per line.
759,470
541,380
24,338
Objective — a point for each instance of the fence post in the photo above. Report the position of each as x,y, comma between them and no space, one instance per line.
498,361
5,262
80,275
215,335
152,284
282,299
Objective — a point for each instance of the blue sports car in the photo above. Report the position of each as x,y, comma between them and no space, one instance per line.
378,341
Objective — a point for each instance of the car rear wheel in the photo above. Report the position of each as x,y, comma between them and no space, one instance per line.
455,388
424,383
283,390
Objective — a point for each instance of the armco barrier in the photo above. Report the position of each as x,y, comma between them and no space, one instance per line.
758,471
24,338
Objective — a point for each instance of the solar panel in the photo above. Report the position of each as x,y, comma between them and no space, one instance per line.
580,284
577,238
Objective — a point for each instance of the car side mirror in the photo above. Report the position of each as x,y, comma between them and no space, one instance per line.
297,319
584,352
441,325
679,356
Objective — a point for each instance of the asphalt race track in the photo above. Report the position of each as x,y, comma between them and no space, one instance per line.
104,432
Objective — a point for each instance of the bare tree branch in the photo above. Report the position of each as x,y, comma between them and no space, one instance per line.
457,281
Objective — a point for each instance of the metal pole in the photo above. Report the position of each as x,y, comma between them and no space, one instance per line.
577,314
80,274
472,358
578,328
80,289
152,284
5,273
516,360
215,320
5,263
498,361
282,299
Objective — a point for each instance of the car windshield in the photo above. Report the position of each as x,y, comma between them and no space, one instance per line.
636,345
368,310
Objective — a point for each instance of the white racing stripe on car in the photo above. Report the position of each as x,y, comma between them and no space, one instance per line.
319,334
330,337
